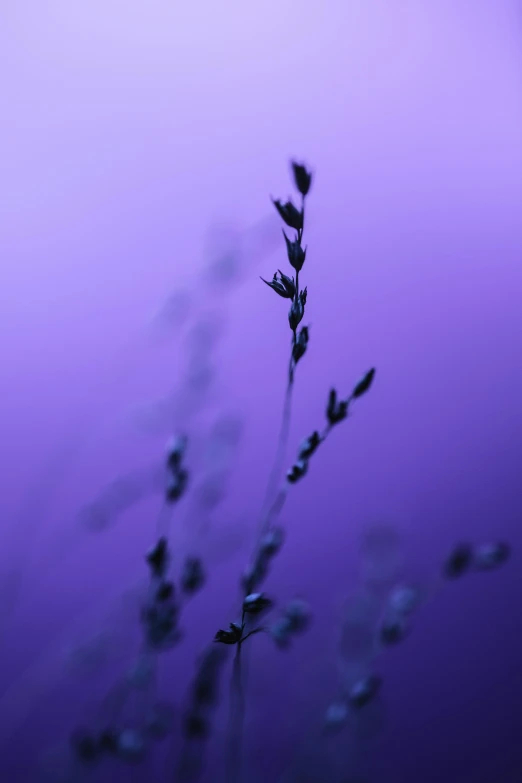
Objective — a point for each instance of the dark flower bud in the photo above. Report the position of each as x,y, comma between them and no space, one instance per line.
233,636
301,344
160,720
205,685
158,558
365,690
254,574
282,285
302,178
364,384
297,471
336,411
175,452
459,561
296,313
309,445
165,592
393,631
272,542
193,576
296,254
281,632
336,716
298,614
108,741
196,726
490,556
256,603
84,746
131,746
176,485
292,216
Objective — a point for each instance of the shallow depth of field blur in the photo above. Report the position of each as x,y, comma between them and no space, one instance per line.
140,144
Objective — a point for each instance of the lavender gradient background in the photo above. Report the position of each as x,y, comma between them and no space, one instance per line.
130,128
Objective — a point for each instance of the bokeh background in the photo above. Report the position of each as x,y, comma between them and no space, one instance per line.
140,142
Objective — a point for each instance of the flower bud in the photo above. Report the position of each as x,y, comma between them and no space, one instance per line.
282,285
365,690
297,471
193,575
309,445
490,556
364,384
272,542
296,254
459,561
292,216
256,603
336,411
302,178
301,344
158,558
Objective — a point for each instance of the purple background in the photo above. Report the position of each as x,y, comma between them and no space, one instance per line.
137,141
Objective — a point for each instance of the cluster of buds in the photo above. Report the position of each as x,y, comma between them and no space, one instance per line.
362,692
465,557
160,617
89,748
336,411
295,619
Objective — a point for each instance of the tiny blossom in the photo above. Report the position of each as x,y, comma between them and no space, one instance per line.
297,471
158,558
131,745
364,384
272,542
232,636
193,576
175,451
256,603
336,716
292,216
393,630
365,690
490,556
403,600
296,253
302,177
297,612
459,561
336,410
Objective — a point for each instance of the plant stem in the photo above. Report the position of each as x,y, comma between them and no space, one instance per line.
236,721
